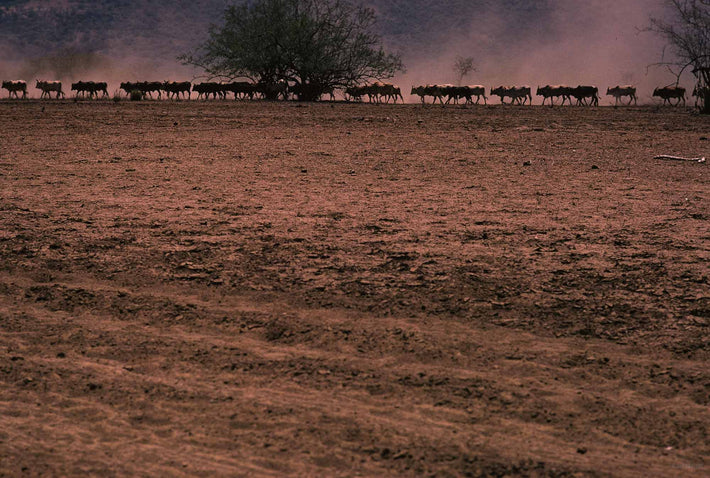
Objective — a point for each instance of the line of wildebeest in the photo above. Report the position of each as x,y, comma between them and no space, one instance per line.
375,93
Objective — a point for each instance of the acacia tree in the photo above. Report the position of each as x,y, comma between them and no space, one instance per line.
314,45
462,67
687,31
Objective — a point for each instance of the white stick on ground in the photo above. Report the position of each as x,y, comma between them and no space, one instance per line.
679,158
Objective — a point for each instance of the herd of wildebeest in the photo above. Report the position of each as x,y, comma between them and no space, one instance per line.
375,93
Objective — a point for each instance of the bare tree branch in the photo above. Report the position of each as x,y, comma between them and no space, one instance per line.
687,33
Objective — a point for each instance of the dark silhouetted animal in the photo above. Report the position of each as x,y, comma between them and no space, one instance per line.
429,90
174,89
584,93
456,93
14,87
48,87
667,93
619,92
517,94
242,89
92,88
556,91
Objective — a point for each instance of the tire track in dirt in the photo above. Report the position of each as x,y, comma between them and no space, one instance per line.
480,291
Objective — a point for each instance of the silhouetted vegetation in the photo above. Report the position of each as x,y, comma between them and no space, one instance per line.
311,45
148,28
687,31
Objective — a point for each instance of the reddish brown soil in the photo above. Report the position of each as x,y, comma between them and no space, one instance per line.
229,289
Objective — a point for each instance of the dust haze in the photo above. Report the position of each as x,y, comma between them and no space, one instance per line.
597,42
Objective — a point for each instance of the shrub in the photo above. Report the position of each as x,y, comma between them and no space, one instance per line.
136,95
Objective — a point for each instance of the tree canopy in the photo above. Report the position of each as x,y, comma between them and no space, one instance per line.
314,45
687,31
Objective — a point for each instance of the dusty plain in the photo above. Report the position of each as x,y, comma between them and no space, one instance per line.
282,289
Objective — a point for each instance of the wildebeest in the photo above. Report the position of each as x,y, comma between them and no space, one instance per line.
150,87
517,94
382,92
330,91
204,90
354,93
582,93
241,89
388,92
273,90
127,86
669,92
619,92
452,93
14,87
455,93
311,91
92,88
147,88
47,87
174,89
553,92
429,90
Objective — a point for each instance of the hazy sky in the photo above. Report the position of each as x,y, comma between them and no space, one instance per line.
582,42
569,42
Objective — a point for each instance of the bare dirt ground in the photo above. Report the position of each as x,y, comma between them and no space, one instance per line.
255,289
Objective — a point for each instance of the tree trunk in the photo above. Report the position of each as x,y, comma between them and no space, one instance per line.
705,102
309,92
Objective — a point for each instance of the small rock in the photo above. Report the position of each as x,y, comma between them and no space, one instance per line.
527,163
581,450
594,166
